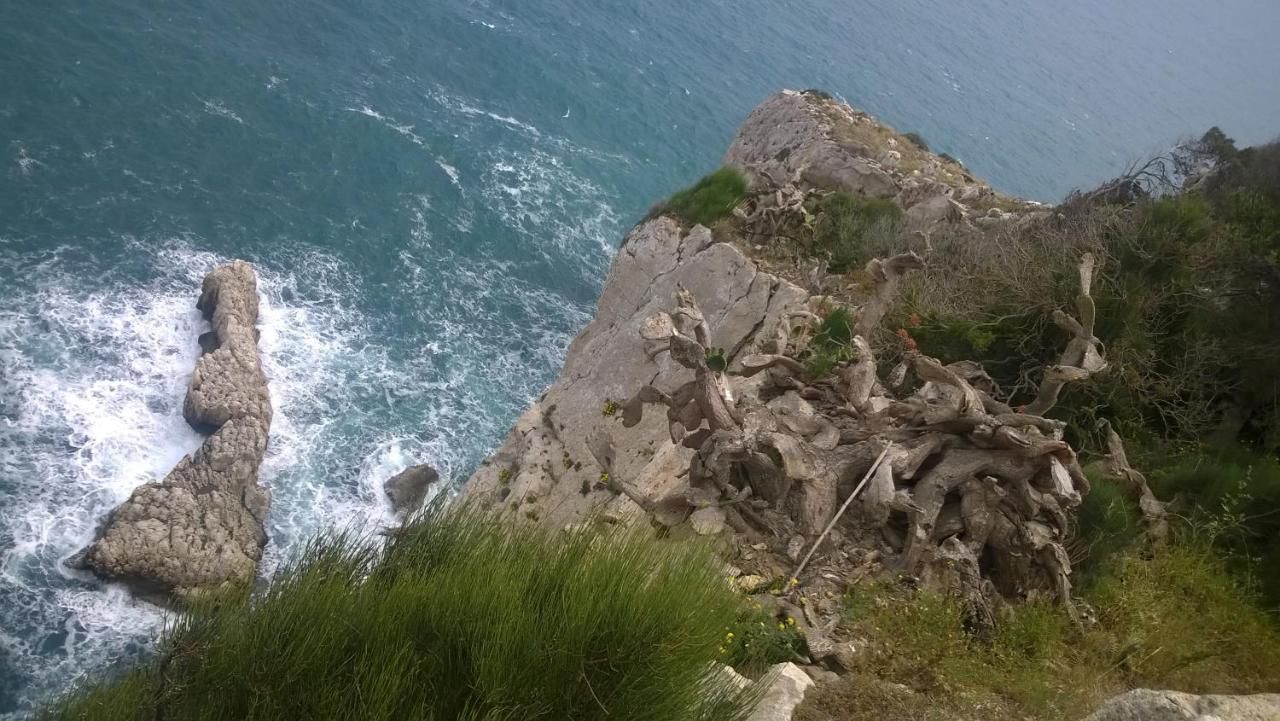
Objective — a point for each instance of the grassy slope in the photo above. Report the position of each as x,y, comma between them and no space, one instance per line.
462,617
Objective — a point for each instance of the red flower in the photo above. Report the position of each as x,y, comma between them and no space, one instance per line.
913,320
907,340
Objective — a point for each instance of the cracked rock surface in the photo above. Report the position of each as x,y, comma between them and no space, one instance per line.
201,527
544,469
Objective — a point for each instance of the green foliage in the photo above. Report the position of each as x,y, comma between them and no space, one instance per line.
1182,619
831,345
1177,618
460,617
1219,146
710,199
1230,498
716,360
1188,304
757,640
1107,522
844,223
917,141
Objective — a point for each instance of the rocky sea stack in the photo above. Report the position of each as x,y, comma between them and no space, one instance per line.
201,528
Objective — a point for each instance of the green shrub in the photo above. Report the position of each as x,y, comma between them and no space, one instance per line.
844,223
758,640
1229,498
831,345
461,617
916,140
1107,522
710,199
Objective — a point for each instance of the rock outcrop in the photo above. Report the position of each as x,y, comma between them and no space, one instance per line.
784,137
407,490
201,528
807,140
545,468
1148,705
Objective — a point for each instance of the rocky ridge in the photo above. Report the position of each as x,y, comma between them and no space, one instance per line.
567,460
201,528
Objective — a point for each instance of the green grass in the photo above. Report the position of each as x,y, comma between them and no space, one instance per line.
1177,618
843,224
710,199
461,617
832,343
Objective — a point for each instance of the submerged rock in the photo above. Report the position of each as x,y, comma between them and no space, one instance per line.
202,527
1148,705
408,489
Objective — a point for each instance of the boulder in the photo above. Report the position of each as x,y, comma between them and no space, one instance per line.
1148,705
408,489
201,528
785,685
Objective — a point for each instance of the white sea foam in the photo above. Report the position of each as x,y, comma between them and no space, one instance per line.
91,389
216,107
538,193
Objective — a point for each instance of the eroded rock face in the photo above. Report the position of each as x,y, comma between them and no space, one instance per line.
784,137
201,528
544,469
1148,705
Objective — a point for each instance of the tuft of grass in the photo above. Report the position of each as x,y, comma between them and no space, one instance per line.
459,617
707,201
831,345
843,224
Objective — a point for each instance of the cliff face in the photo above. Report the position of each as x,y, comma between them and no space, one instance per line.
544,468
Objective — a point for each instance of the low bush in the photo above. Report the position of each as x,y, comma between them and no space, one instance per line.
759,640
843,224
461,617
710,199
831,345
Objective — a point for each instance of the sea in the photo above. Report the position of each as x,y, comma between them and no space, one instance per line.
432,191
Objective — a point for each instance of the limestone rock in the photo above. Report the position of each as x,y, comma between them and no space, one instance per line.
545,462
408,489
785,136
785,686
202,527
1148,705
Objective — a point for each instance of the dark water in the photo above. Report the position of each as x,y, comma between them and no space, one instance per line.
432,192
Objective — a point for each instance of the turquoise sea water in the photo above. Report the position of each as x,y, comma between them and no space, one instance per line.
432,192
